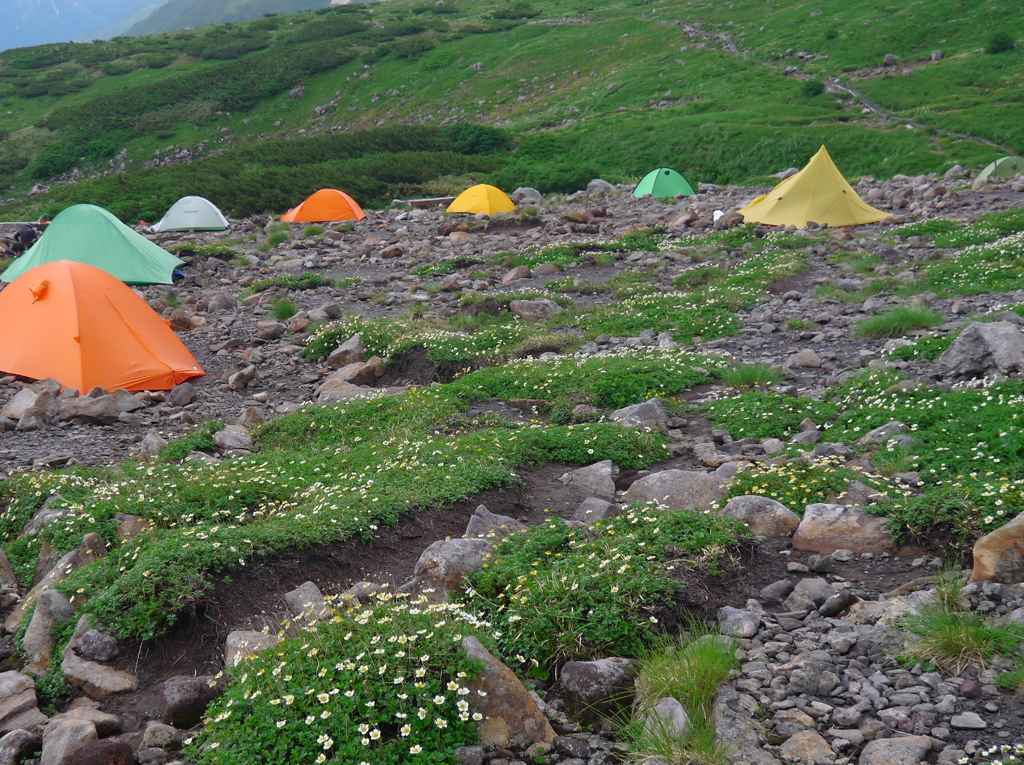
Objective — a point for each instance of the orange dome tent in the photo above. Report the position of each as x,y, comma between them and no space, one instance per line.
325,206
83,327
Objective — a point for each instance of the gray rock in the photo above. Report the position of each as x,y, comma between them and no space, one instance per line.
882,433
983,350
599,689
679,489
184,699
241,644
736,622
96,680
233,438
307,600
349,352
593,509
764,516
598,186
469,755
968,721
827,527
151,444
181,394
597,479
445,562
18,704
20,404
526,194
240,380
668,720
818,590
63,739
487,525
161,736
649,413
96,646
99,411
17,746
534,310
52,608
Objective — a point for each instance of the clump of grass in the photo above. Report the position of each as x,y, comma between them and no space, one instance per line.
898,322
282,309
929,348
312,230
757,375
800,323
199,440
172,300
895,458
278,237
303,282
691,672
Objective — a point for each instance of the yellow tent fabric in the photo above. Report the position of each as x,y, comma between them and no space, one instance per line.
482,199
817,193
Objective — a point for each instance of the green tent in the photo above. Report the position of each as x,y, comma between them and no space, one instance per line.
664,182
1004,167
90,234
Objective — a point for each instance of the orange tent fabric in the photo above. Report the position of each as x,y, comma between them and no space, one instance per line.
83,327
325,206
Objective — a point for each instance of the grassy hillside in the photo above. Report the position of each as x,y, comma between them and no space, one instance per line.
179,14
724,93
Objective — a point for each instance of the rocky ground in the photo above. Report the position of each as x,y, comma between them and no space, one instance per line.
816,675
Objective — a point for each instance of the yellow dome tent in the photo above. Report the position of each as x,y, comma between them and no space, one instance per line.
482,199
817,193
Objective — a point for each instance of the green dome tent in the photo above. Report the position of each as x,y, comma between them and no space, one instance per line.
89,234
1004,167
664,182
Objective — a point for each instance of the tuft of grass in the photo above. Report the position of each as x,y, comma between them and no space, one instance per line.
312,230
691,672
199,440
172,300
895,458
278,237
898,322
800,323
282,309
757,375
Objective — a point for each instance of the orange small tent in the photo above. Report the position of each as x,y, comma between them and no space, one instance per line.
81,326
325,206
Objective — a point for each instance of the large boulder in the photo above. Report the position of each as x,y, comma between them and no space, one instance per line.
307,600
52,608
679,489
764,516
534,310
102,410
905,750
826,528
597,480
17,746
649,414
445,562
20,405
98,681
107,751
487,525
511,716
243,644
999,555
19,707
183,699
667,720
983,350
64,738
349,352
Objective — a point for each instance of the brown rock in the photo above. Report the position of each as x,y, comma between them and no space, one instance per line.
96,680
999,555
107,751
764,516
511,716
826,528
519,272
183,700
598,690
18,704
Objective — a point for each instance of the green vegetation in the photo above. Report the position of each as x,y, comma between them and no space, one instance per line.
282,309
303,282
558,592
756,375
898,322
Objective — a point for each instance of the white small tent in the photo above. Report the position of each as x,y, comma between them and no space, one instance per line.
192,214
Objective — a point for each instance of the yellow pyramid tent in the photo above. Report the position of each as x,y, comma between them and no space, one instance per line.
482,199
817,193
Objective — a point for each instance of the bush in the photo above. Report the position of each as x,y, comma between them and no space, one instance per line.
1000,42
812,88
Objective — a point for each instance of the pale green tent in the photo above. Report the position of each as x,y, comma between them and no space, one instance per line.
1004,167
192,214
90,234
664,182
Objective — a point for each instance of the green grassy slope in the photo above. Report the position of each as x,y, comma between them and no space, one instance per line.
585,88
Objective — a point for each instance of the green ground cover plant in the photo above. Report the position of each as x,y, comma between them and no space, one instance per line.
977,269
765,414
557,592
386,683
303,282
929,348
282,309
756,375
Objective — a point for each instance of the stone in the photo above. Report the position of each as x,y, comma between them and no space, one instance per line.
882,433
307,600
250,416
181,394
79,709
96,411
487,525
126,401
983,350
679,489
764,516
739,623
445,562
233,438
241,644
594,509
805,358
91,549
63,739
999,555
469,755
599,186
826,527
270,330
807,748
162,736
106,751
357,373
526,194
596,480
240,380
598,690
511,716
151,444
818,590
737,728
349,352
649,414
534,310
96,680
667,720
906,750
17,746
20,404
968,721
52,608
18,704
183,699
519,272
